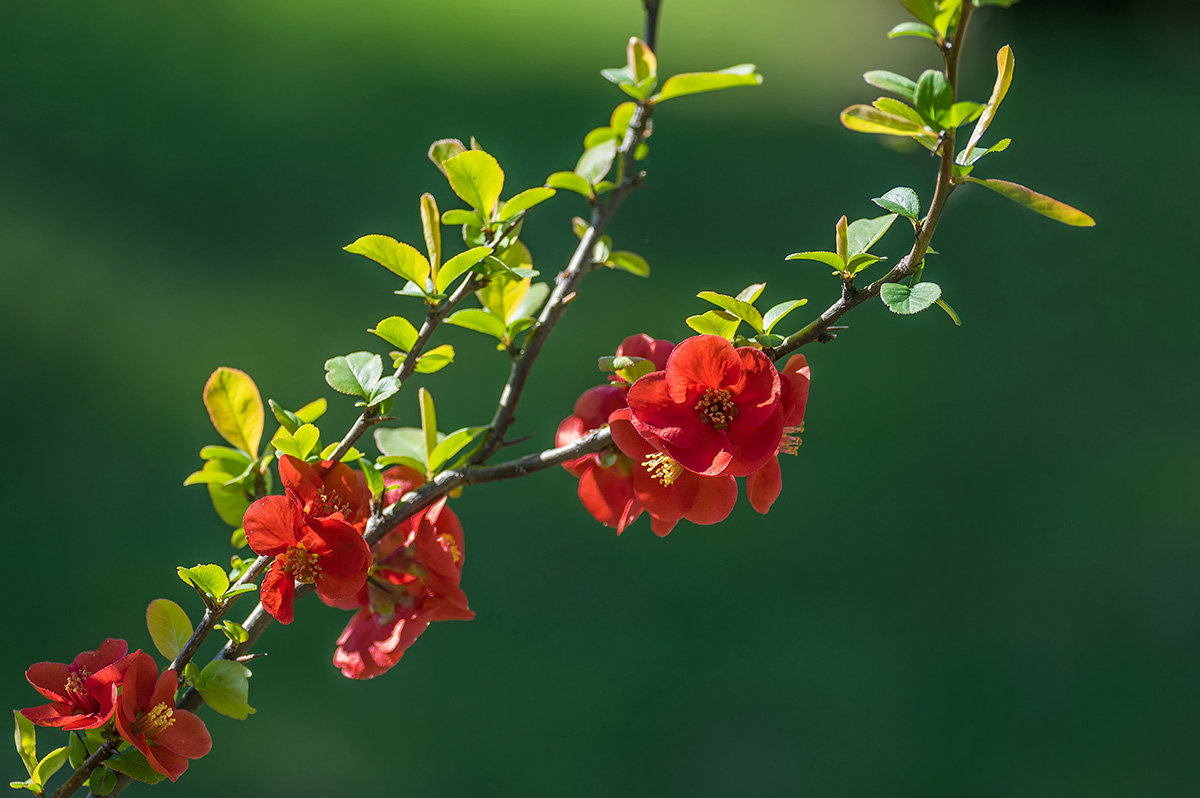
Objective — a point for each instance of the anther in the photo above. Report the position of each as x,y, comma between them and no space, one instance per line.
662,467
717,407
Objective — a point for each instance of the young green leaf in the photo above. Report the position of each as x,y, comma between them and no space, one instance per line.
949,312
863,233
428,421
132,763
524,201
596,161
25,736
169,627
354,374
868,119
742,310
397,331
629,262
503,294
776,314
640,60
751,293
696,82
462,216
715,322
233,630
906,300
226,688
1004,73
961,113
1038,203
443,150
924,10
395,256
830,259
451,445
477,179
912,29
312,411
933,97
102,781
841,234
478,320
459,265
235,407
435,359
210,580
890,81
901,200
569,181
861,261
966,158
432,228
298,444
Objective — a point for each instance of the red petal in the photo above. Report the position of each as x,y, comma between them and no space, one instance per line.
797,375
709,454
756,394
627,438
754,446
596,404
606,492
347,489
53,715
166,762
187,736
276,594
702,361
50,679
656,350
138,687
299,479
662,526
654,411
271,524
164,689
714,500
764,486
106,654
344,557
400,480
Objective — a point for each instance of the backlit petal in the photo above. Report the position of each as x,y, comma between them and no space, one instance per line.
271,525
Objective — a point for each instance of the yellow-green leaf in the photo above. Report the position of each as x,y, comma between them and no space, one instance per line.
477,179
1038,203
169,627
1004,72
696,82
235,407
431,226
395,256
868,119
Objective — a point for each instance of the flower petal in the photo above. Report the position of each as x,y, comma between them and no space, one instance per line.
699,362
53,715
656,350
709,454
271,524
50,679
187,736
754,446
165,761
756,393
277,592
595,405
654,411
344,557
606,494
105,654
796,375
713,501
764,486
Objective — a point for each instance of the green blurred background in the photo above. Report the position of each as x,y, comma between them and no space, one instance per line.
981,579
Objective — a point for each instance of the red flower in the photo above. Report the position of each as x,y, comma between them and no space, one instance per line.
714,409
668,491
324,551
326,488
415,582
82,695
765,484
147,718
606,480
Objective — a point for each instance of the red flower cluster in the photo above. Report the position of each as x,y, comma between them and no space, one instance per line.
415,581
709,413
106,684
314,532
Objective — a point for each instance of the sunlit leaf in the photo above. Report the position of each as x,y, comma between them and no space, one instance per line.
397,331
776,314
169,627
630,262
912,29
569,181
863,233
742,310
235,408
906,300
226,687
443,150
211,580
868,119
890,81
428,421
1038,203
969,158
477,179
901,200
354,374
524,201
1004,73
715,322
435,359
751,293
451,445
395,256
695,82
595,162
830,259
458,265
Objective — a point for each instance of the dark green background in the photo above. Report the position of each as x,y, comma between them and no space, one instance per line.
981,579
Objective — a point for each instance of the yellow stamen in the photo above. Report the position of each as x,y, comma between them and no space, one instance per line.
716,407
662,467
154,722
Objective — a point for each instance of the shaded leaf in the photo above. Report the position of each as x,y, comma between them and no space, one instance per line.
890,81
934,96
133,763
912,29
949,312
901,200
596,161
906,300
863,233
226,687
354,374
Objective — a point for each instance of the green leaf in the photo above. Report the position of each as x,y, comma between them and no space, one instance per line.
428,421
715,322
841,233
863,233
630,262
1004,73
906,300
924,10
530,303
696,82
102,781
776,314
208,579
51,763
354,374
569,181
901,200
830,259
868,119
912,29
78,750
1038,203
459,265
751,293
373,477
503,294
451,445
477,179
397,331
524,201
949,312
742,310
286,418
479,321
969,158
1001,3
934,96
402,442
596,161
298,444
235,408
395,256
169,627
229,501
133,763
233,630
630,369
435,359
443,150
25,737
961,113
861,261
462,216
640,60
432,228
226,688
890,81
312,411
414,463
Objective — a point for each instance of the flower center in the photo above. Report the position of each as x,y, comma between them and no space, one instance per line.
790,442
449,544
662,467
301,564
328,503
155,722
76,691
716,407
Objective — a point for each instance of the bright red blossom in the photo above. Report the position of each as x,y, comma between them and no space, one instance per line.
714,409
326,552
414,582
82,695
764,485
326,488
147,718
